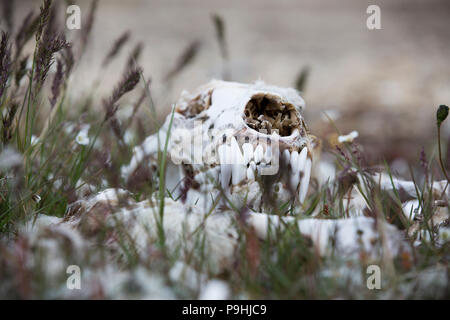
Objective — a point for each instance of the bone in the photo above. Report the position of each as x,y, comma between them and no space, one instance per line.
208,178
294,162
201,178
268,155
250,174
181,175
248,152
223,116
238,167
295,133
224,151
259,153
304,183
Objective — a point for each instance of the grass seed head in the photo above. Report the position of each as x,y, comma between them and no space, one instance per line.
26,31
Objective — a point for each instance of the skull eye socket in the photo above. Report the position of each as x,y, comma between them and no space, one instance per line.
266,113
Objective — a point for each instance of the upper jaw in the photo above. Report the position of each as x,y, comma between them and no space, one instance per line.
250,170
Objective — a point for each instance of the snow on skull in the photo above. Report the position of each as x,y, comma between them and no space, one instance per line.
242,142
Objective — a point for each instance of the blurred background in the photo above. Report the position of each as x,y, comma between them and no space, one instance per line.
386,84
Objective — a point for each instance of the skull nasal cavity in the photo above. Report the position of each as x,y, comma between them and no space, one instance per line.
266,114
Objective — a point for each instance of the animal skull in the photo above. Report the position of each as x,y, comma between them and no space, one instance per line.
247,143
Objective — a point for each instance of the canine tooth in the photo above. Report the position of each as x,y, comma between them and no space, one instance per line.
268,154
286,156
250,174
302,158
253,165
212,175
294,162
236,152
225,168
200,177
294,180
305,181
248,152
259,153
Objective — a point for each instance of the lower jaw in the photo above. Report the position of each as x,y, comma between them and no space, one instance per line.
265,196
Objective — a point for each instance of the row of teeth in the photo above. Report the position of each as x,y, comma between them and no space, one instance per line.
237,166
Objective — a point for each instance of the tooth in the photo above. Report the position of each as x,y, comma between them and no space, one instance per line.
253,165
238,169
250,174
305,181
248,152
182,176
294,162
225,176
286,156
294,179
222,155
225,166
200,177
268,154
259,153
302,158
